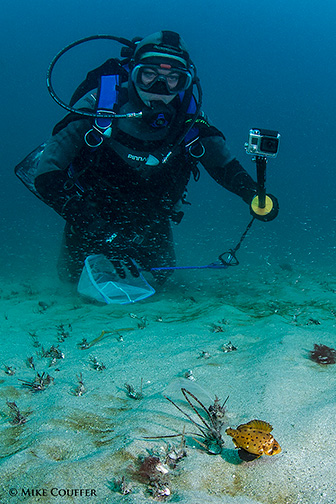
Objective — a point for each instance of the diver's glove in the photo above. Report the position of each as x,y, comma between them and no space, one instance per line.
115,243
269,212
118,249
121,264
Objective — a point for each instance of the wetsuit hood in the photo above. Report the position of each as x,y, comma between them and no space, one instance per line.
165,46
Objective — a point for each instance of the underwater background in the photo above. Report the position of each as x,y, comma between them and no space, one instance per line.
261,64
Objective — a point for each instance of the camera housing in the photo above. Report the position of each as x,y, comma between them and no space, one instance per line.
263,142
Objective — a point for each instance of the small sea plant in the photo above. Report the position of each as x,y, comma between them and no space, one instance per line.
80,389
143,321
84,344
174,454
154,474
322,354
204,355
132,393
313,321
228,347
39,383
62,334
216,328
210,421
189,375
54,353
42,306
120,486
30,363
171,454
17,417
95,364
34,337
9,370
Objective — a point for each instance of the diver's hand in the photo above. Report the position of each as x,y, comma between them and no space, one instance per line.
121,264
118,249
116,243
269,212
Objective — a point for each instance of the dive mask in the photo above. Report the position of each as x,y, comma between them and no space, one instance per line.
161,79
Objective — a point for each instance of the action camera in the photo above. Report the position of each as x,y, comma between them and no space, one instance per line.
263,142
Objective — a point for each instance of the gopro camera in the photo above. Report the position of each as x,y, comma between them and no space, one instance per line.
262,142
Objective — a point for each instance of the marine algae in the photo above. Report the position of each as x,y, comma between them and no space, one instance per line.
108,333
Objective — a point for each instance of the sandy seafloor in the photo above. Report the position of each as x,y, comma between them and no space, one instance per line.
272,316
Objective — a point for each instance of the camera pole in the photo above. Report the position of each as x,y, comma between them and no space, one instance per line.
261,179
264,206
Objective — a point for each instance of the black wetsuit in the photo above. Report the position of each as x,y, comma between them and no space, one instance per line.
116,203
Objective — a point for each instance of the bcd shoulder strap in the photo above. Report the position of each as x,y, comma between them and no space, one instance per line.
111,67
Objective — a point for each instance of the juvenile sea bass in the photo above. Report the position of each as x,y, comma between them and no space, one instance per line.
255,437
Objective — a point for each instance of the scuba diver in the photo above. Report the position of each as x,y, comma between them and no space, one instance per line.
119,182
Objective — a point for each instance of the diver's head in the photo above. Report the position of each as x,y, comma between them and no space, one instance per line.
161,67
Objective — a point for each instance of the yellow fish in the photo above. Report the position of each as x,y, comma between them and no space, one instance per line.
255,437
